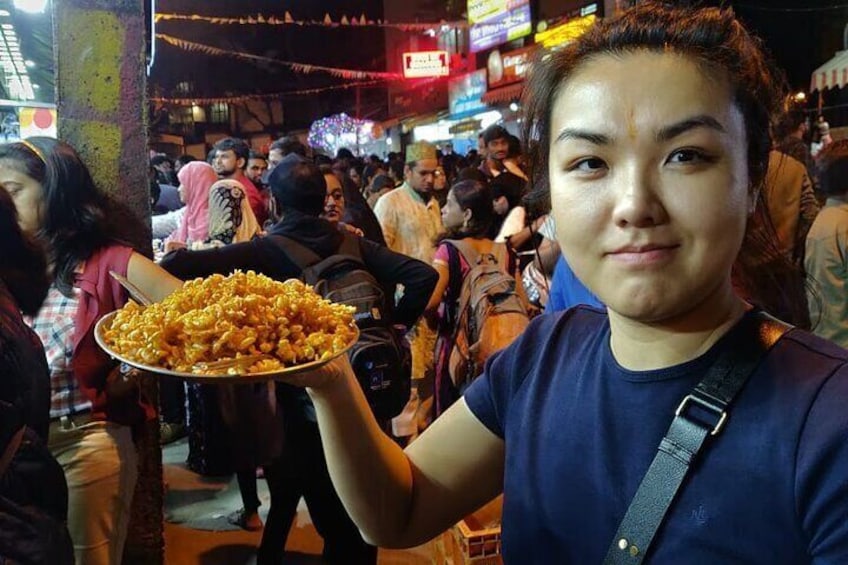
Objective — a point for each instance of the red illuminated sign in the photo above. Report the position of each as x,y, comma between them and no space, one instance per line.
421,64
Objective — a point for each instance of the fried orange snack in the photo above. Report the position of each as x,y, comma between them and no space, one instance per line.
219,318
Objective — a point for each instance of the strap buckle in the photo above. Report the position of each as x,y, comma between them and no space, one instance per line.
719,413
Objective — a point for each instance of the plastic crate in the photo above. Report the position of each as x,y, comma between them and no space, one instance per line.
475,540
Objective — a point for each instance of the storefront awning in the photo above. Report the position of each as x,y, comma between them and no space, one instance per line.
833,74
504,94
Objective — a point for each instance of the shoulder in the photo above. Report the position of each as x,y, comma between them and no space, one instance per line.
544,353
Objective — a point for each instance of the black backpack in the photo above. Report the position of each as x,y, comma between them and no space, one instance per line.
380,358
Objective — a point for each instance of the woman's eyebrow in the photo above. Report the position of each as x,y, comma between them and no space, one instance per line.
670,132
584,135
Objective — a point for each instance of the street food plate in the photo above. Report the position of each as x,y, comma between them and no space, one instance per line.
204,377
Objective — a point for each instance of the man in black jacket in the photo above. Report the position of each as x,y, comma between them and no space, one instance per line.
299,190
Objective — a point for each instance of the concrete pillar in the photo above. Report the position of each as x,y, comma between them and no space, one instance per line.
99,48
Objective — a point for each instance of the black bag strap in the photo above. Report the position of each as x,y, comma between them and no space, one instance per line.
10,450
300,255
701,414
304,257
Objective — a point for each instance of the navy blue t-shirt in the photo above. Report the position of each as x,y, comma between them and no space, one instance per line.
580,432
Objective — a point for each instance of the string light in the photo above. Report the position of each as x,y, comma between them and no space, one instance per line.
340,130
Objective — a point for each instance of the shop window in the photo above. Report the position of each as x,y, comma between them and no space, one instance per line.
219,113
184,87
182,115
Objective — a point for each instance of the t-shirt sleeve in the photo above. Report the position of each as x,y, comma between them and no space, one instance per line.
489,397
822,460
442,255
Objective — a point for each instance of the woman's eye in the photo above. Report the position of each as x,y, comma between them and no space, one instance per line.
588,165
688,156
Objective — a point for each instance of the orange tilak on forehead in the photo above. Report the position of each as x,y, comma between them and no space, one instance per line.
631,124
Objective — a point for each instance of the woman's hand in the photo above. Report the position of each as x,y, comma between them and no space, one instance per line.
323,378
173,246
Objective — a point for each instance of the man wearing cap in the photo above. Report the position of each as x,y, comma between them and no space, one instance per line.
411,222
299,189
409,215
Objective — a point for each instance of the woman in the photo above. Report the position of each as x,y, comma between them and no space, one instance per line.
334,205
466,216
231,220
29,475
92,404
653,141
196,180
440,186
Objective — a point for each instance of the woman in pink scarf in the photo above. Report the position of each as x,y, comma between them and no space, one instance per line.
196,178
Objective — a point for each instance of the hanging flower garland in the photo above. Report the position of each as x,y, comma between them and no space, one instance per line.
287,19
297,67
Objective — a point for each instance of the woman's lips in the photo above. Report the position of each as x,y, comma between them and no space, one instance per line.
644,255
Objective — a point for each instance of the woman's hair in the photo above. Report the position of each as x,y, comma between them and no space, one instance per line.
23,265
77,218
477,197
715,39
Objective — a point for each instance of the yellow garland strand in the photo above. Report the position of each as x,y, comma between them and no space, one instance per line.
247,97
297,67
259,19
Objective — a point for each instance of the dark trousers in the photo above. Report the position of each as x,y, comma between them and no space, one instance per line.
302,471
172,398
249,492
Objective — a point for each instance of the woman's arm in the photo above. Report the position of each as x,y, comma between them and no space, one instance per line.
397,498
153,280
441,287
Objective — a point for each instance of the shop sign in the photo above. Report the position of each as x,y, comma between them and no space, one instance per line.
565,33
480,11
422,64
465,93
510,67
504,27
466,126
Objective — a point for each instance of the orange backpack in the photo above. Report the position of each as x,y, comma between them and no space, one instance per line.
490,315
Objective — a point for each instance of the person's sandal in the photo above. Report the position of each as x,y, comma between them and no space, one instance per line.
250,522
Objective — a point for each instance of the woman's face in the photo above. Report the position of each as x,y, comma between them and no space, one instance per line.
439,179
453,215
26,193
354,176
334,204
649,182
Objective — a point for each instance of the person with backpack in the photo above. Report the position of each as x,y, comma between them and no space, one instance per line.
478,305
299,189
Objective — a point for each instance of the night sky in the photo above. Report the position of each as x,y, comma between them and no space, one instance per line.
800,34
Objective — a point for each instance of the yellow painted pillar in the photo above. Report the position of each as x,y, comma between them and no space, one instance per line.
99,48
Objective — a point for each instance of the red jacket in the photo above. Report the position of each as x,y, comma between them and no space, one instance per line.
99,295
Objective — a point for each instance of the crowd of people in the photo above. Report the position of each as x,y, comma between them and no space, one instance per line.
667,201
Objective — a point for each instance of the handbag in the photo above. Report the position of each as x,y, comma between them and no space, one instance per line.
30,533
701,415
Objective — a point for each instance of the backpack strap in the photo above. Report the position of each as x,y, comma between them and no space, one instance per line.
350,246
466,250
700,416
304,257
11,449
300,255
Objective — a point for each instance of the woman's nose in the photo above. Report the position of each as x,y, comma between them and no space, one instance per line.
638,201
